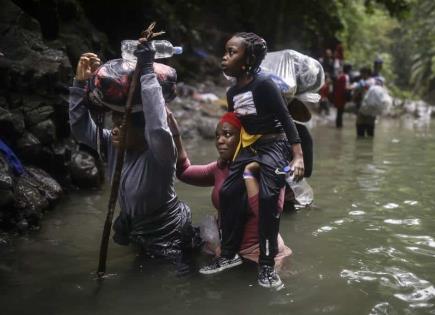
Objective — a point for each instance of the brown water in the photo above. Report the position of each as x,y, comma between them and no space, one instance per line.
366,247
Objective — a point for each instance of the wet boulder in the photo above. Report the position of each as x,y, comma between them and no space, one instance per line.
36,110
207,127
48,186
29,147
45,131
6,184
84,170
11,125
29,200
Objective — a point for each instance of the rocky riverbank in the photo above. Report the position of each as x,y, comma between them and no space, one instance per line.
35,73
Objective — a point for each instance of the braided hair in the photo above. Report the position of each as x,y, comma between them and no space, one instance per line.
256,49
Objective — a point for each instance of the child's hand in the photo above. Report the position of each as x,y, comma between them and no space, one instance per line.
88,63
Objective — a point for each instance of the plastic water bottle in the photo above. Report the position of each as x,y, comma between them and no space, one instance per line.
302,190
163,48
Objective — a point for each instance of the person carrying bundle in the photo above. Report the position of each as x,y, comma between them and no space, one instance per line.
151,216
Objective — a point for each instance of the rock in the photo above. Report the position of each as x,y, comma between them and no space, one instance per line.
6,183
36,110
84,170
31,65
45,131
207,127
211,110
28,147
30,202
48,186
11,125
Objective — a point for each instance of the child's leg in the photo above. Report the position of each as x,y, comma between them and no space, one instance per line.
233,204
270,188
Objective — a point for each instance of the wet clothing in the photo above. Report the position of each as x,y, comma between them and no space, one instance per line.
151,214
211,175
262,110
365,124
234,203
340,97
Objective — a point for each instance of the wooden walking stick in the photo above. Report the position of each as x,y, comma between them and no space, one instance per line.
147,35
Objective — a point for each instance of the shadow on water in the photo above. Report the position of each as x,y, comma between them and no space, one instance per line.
366,247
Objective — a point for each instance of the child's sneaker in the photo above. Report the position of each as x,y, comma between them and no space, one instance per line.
268,278
221,263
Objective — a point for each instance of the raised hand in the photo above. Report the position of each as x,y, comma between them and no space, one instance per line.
88,63
145,56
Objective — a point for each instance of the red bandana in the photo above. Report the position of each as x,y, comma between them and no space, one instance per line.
232,119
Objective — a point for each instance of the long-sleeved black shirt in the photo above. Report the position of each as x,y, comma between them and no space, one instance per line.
262,109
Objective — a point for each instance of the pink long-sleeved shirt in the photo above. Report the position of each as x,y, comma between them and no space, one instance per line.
212,175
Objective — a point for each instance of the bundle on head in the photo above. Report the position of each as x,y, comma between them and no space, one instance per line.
109,86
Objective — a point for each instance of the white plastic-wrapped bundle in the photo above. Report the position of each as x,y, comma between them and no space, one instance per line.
375,101
302,75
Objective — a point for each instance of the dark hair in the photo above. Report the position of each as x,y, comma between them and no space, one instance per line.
256,49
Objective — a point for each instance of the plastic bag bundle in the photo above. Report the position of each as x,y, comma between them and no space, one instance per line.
375,101
110,84
296,74
209,231
303,192
279,66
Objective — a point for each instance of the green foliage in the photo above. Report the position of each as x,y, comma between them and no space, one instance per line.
421,36
401,32
366,35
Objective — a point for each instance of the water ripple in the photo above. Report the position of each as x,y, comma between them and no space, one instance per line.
418,240
323,229
391,205
403,222
422,295
417,290
357,212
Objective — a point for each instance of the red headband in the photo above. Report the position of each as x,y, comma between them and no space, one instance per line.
232,119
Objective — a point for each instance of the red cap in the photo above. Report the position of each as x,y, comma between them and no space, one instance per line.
232,119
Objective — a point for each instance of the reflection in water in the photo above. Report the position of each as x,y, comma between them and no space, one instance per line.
367,246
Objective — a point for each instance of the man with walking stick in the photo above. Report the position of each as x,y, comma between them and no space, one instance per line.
151,215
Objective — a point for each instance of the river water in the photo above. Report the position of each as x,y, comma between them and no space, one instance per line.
367,246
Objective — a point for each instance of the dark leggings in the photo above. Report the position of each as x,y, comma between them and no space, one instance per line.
339,118
362,129
233,200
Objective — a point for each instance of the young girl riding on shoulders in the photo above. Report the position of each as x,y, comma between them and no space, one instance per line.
270,139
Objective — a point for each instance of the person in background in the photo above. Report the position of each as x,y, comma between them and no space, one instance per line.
327,62
325,92
377,68
342,89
